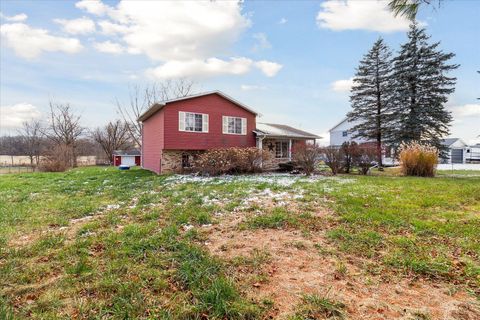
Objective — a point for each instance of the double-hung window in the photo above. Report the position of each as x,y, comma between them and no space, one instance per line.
234,125
281,149
193,122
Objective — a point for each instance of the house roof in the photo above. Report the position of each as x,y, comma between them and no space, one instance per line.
281,130
334,127
159,105
449,141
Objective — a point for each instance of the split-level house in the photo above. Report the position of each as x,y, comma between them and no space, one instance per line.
174,132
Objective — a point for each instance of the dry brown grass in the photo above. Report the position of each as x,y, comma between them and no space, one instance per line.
417,159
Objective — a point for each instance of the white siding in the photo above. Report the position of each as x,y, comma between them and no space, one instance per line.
336,135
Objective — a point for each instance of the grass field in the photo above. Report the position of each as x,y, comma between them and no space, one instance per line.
98,243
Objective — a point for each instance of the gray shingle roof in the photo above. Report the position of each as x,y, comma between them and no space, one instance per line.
281,130
448,141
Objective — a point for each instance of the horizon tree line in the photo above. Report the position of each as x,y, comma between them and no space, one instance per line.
63,137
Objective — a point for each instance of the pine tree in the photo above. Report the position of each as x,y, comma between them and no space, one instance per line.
370,96
421,89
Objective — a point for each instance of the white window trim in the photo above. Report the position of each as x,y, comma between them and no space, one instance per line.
225,126
181,122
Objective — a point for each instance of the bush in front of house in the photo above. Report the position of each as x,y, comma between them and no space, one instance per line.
417,159
229,161
366,158
307,157
351,153
333,158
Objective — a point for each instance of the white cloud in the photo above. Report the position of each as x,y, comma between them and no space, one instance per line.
187,37
173,30
262,42
367,15
29,42
16,18
201,68
282,21
95,7
342,85
77,26
12,117
109,47
467,110
269,68
110,28
249,87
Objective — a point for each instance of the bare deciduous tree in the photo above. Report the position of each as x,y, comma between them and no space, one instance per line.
142,98
31,133
114,136
65,129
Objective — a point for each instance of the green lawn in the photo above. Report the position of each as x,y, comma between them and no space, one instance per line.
102,243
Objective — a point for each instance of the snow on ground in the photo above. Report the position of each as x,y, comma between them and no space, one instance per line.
279,179
459,166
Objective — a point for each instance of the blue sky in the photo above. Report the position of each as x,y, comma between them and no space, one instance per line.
289,60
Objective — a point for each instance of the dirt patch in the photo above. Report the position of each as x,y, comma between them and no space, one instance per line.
297,266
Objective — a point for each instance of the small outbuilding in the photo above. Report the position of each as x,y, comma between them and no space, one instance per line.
455,150
127,158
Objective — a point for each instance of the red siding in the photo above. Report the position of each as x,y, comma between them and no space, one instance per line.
216,107
153,141
160,131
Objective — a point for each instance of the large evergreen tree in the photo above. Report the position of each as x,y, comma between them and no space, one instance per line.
370,96
421,89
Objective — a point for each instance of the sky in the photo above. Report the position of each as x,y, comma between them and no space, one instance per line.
291,61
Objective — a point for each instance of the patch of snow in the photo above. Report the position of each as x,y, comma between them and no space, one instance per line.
187,227
279,179
458,166
112,207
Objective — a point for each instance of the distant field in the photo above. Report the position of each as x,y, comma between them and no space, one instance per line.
97,242
5,170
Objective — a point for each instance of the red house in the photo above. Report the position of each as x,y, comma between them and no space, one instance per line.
174,131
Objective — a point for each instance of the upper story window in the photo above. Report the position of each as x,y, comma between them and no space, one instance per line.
344,133
281,149
234,125
194,122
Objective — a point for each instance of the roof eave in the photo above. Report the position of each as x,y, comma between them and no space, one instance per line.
150,112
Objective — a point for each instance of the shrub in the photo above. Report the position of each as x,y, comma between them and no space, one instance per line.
366,158
286,166
351,155
230,160
417,159
56,160
333,158
307,156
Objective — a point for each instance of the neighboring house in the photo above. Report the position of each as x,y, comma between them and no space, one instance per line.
127,158
177,130
472,154
455,150
342,132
